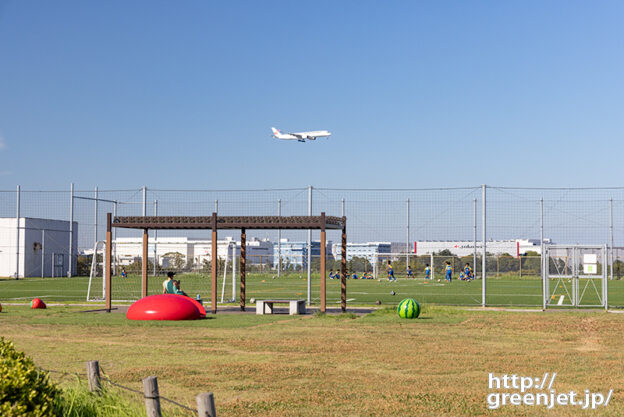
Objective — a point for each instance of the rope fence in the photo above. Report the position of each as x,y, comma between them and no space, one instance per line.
95,375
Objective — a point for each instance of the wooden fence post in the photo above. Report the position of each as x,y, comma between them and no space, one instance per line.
93,374
152,399
205,405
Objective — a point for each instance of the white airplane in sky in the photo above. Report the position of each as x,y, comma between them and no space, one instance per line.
300,136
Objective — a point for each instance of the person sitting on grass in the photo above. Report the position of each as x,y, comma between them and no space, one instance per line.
168,287
123,273
409,272
354,276
468,272
176,288
331,274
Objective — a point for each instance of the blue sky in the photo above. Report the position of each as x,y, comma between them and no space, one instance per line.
122,94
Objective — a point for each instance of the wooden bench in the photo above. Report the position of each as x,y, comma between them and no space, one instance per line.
294,306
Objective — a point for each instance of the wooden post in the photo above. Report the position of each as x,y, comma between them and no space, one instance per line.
145,262
109,248
206,405
213,264
343,267
242,268
152,399
323,272
93,374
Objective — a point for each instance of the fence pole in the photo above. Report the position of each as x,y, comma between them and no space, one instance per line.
155,237
114,250
309,247
216,206
42,252
407,235
483,238
279,241
93,374
474,237
17,232
542,271
611,237
95,216
206,405
144,205
71,232
152,399
234,272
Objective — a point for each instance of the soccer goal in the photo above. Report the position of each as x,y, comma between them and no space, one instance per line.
575,276
96,273
127,283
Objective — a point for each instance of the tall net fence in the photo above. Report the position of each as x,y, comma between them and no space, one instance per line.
418,228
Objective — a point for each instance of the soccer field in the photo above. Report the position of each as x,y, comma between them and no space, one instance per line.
504,291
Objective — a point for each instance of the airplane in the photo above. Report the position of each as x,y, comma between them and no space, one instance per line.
300,136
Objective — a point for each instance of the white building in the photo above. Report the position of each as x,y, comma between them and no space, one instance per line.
368,250
513,247
168,249
258,251
43,249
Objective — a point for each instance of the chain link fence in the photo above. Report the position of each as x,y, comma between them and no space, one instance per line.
411,224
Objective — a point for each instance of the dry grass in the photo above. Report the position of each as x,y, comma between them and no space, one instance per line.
376,365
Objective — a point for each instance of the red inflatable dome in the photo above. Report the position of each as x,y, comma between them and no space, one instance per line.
37,303
166,307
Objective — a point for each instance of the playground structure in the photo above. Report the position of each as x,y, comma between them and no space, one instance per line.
215,223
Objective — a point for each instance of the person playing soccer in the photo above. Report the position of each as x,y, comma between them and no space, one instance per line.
468,272
427,271
390,272
449,272
409,272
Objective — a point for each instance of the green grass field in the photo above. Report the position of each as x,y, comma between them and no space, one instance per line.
503,291
336,365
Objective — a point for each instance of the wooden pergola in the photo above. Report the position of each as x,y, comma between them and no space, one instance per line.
243,223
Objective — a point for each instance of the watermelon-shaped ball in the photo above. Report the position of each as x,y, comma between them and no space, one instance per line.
408,309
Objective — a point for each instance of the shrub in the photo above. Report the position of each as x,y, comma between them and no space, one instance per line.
25,390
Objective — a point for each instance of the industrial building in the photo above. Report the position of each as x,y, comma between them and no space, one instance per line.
295,254
40,249
171,250
368,250
514,247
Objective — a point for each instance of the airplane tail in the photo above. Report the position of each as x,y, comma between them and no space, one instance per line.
275,131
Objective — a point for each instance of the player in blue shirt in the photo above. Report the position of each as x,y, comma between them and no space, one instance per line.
390,272
427,271
468,272
449,272
409,272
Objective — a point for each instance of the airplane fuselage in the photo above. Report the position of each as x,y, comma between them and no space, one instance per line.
301,136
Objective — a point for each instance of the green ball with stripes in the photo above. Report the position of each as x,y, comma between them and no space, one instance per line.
408,309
